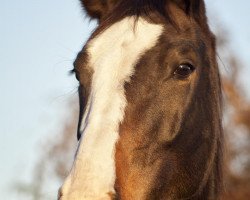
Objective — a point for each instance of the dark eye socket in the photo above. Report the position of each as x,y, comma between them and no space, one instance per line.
184,70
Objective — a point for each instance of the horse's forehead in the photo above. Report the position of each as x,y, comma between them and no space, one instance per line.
112,56
122,43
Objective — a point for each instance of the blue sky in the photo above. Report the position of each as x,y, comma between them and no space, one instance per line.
38,43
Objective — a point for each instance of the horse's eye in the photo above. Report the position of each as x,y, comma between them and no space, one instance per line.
184,70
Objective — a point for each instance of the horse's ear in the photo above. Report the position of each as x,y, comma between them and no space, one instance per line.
194,8
98,9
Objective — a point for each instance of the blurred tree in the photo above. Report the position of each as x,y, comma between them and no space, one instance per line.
236,123
56,158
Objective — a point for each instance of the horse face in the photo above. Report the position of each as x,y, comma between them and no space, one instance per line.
167,138
143,84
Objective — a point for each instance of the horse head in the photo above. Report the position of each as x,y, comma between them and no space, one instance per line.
150,104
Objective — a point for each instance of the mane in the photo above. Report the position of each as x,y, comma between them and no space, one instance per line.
144,7
138,8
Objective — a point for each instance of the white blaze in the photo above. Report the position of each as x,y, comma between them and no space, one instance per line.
113,56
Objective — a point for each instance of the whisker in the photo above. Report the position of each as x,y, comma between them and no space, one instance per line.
65,96
223,64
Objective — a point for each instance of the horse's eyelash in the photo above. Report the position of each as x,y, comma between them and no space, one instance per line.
72,71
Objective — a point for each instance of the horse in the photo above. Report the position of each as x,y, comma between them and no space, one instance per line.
150,122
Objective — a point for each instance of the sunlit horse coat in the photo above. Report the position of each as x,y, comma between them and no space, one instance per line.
150,110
